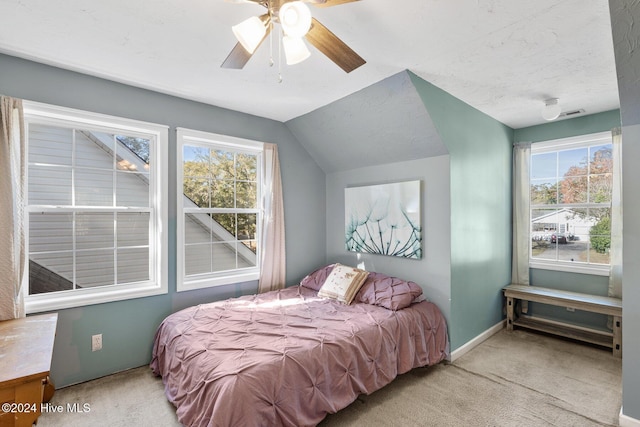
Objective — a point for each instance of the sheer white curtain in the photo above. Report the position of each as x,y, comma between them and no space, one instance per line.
272,260
521,217
615,276
12,176
521,213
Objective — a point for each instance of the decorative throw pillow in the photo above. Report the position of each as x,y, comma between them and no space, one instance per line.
343,283
316,279
389,292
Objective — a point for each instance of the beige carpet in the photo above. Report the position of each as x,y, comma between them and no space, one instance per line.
512,379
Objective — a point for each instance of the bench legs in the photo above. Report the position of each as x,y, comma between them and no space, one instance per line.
510,314
617,336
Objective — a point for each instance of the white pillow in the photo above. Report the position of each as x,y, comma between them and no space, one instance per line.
343,283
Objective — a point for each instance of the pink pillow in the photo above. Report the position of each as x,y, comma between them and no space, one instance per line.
316,279
389,292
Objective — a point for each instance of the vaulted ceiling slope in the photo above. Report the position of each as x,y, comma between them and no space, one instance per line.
503,57
386,122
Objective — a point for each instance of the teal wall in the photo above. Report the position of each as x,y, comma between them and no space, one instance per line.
594,123
128,326
480,173
597,285
590,284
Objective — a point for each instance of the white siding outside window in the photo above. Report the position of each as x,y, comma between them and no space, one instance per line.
97,213
219,209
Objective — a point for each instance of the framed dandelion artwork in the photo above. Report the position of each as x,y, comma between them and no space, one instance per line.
384,219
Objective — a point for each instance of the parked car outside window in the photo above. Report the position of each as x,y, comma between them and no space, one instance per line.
558,238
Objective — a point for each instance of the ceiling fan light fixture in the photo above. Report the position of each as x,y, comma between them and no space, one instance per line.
295,18
295,21
295,50
551,109
250,33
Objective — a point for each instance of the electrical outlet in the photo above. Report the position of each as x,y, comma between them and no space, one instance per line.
96,342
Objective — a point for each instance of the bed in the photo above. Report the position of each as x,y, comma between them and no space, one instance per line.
290,357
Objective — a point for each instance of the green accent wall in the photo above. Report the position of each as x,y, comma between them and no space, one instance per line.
480,168
594,123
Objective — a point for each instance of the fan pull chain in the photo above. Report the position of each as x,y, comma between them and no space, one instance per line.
280,56
270,33
270,43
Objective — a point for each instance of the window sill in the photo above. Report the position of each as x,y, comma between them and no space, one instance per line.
213,281
81,297
596,270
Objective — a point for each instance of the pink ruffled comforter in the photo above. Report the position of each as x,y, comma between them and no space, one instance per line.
288,357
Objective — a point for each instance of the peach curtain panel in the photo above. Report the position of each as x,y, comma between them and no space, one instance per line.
272,260
12,200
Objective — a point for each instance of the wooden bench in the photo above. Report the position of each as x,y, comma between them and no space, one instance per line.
574,300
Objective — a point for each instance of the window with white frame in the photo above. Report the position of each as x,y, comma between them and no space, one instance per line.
570,189
219,209
96,208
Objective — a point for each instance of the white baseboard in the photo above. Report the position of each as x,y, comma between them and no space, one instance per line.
458,353
625,421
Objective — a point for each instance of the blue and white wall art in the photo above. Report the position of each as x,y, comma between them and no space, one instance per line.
384,219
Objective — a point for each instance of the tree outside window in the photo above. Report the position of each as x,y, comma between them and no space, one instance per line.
571,204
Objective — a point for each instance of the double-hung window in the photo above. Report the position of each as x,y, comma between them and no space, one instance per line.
570,194
96,208
219,209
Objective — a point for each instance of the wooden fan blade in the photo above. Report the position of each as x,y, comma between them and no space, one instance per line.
327,3
238,57
334,48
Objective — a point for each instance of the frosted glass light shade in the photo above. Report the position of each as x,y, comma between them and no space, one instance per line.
295,50
295,18
250,33
551,110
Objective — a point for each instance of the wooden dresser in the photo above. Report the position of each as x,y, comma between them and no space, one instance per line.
26,346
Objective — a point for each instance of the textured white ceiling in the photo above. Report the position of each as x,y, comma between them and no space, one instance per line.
503,57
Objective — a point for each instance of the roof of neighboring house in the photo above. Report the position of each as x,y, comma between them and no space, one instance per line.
552,214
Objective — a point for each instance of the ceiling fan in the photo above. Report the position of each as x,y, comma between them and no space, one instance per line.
297,23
